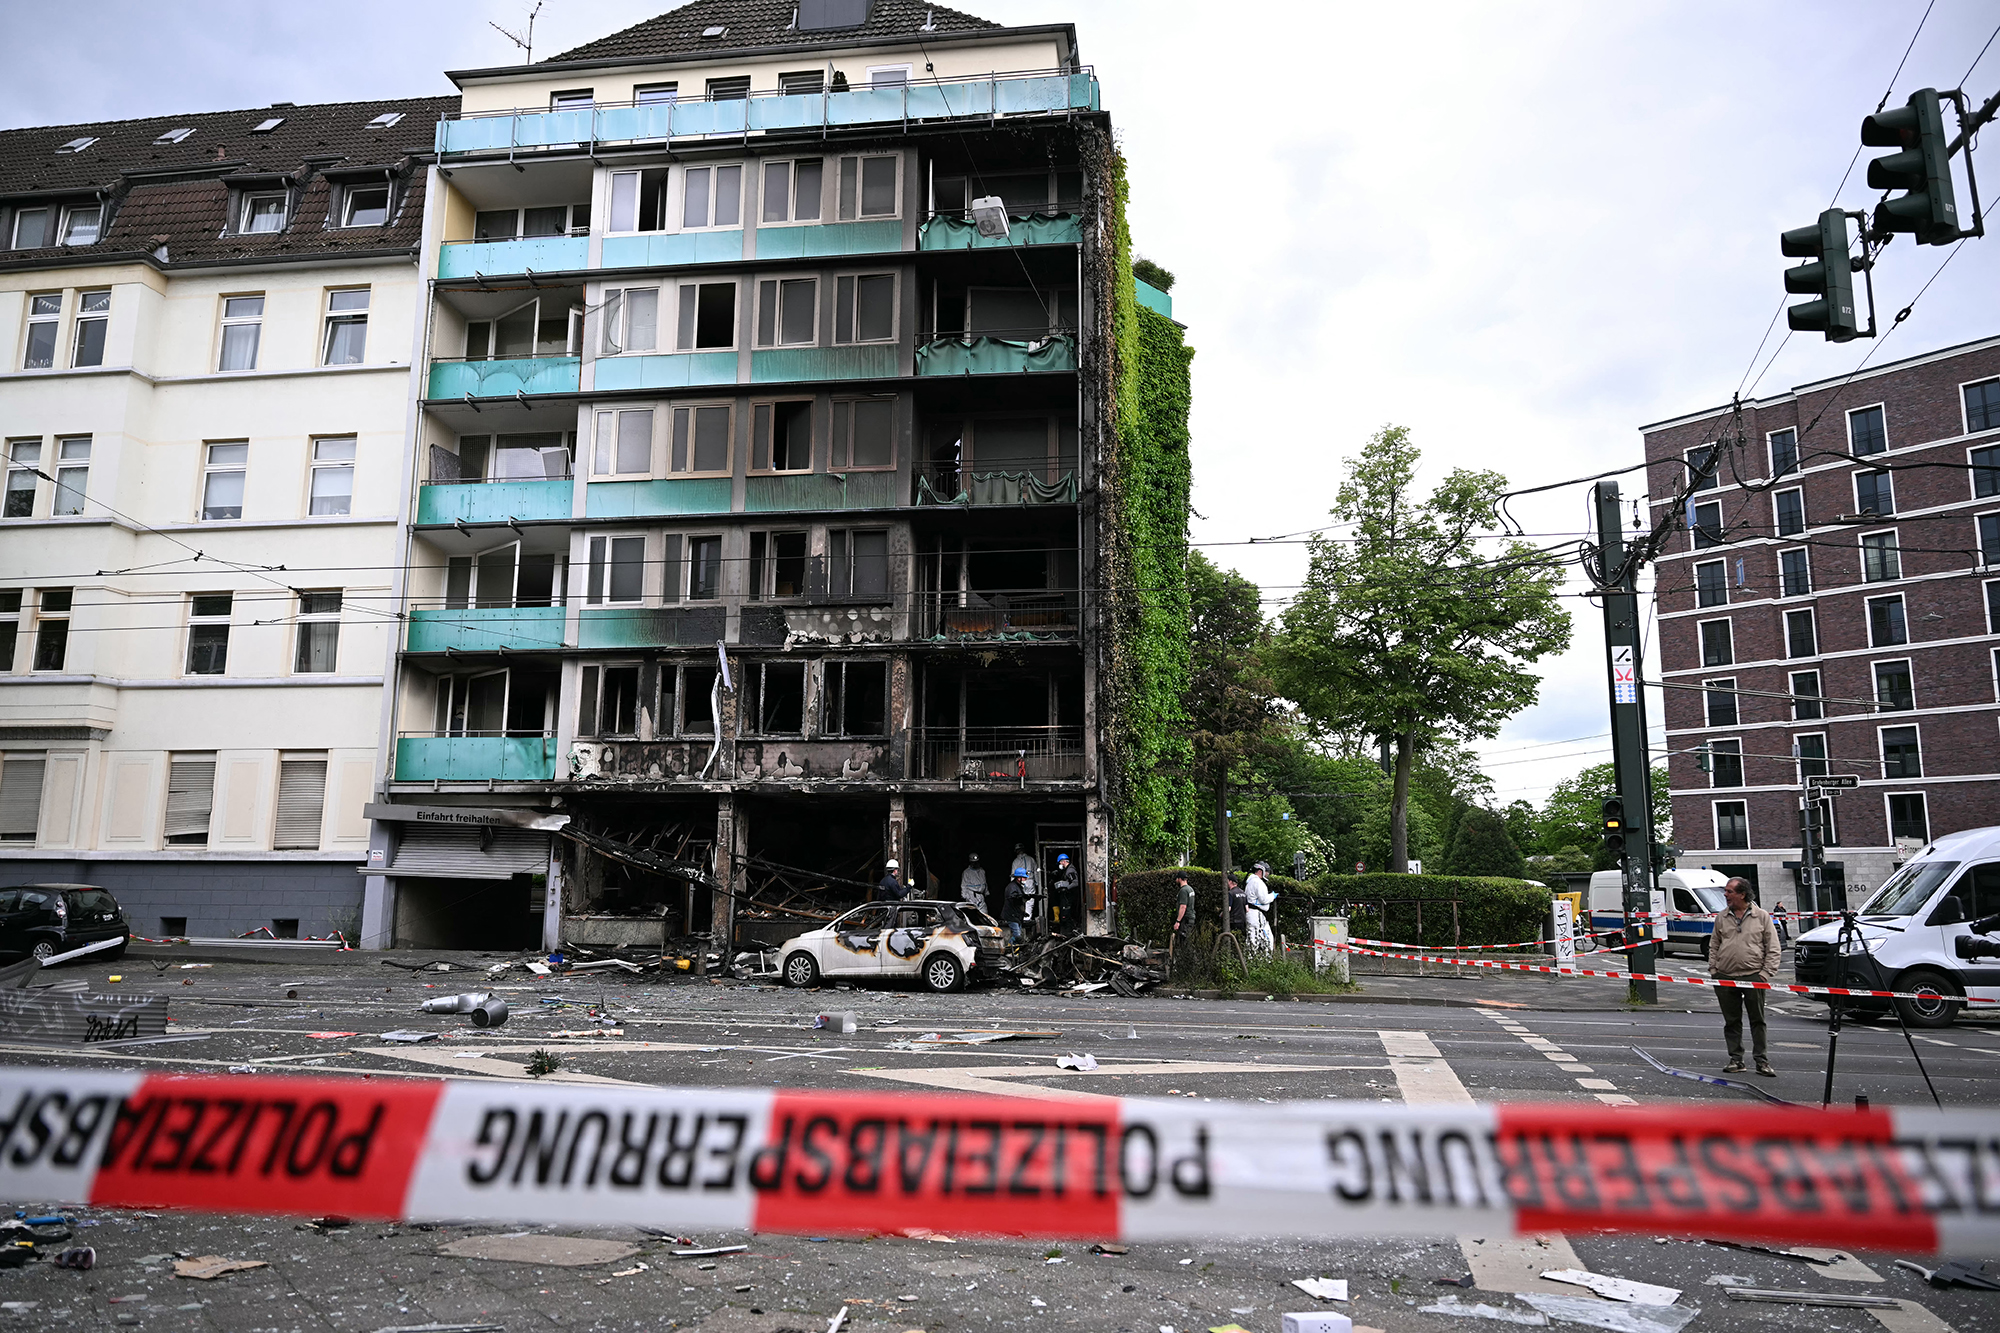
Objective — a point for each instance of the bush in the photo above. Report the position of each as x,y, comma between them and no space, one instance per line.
1146,903
1490,911
1146,271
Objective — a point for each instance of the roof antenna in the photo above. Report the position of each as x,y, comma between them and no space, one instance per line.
526,43
930,23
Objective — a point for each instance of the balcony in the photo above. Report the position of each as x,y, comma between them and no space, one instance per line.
819,490
427,757
677,370
986,354
504,378
788,365
1028,92
829,238
698,626
949,232
661,249
996,615
666,496
1000,756
533,254
955,486
1151,297
486,629
494,501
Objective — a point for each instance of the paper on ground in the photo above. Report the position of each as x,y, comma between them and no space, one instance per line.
1323,1288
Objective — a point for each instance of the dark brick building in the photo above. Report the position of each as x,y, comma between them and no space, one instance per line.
1831,604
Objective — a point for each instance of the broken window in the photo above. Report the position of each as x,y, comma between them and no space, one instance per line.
639,200
631,320
701,438
856,699
864,308
787,312
704,568
781,437
472,705
190,799
609,702
698,700
777,565
534,457
774,698
707,316
617,570
864,433
859,560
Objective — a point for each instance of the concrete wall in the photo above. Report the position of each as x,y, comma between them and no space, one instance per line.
217,897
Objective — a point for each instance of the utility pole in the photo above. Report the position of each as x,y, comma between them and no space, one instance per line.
1631,759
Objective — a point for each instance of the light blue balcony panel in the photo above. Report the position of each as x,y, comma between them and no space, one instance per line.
1151,297
995,356
731,117
475,758
494,502
819,490
831,238
543,254
485,629
659,249
677,371
671,495
504,379
786,365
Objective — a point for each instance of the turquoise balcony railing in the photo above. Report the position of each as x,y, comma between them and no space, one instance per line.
668,495
950,355
1153,298
1033,92
505,378
819,490
784,365
660,249
485,629
494,501
829,238
428,758
677,370
540,254
945,232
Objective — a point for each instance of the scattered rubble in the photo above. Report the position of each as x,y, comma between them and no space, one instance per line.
208,1267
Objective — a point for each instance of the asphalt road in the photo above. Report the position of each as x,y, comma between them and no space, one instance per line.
1526,1040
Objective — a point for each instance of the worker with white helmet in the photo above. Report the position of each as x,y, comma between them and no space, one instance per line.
892,888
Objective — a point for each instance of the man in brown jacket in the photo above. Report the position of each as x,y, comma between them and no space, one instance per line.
1744,948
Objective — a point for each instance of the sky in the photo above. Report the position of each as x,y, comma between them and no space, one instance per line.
1520,230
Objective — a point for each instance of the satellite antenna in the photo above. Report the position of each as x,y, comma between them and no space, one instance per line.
525,42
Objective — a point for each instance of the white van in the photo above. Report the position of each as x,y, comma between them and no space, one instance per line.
1683,892
1905,937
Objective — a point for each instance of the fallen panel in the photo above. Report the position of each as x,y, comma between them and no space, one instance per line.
76,1018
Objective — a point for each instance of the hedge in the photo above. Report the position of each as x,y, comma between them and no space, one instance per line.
1490,911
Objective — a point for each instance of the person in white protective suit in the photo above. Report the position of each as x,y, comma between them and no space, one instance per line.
1259,898
972,883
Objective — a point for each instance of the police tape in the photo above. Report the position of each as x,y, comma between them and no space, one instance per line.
1724,982
819,1163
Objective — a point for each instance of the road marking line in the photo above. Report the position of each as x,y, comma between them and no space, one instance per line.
1418,1044
1000,1079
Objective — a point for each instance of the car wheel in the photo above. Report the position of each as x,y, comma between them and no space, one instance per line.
801,971
1937,1001
119,951
44,950
942,973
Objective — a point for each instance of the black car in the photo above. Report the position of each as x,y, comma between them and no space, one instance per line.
50,919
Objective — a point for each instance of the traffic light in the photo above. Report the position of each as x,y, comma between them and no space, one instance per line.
1701,757
1922,170
1828,275
1614,826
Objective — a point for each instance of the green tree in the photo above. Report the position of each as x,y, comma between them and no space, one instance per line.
1481,847
1231,710
1524,826
1404,630
1573,815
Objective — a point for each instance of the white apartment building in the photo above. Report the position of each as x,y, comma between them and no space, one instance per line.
206,329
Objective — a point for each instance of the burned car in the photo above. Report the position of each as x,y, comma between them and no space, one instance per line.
943,943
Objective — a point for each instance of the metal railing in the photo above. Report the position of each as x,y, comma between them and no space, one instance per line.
994,613
1002,755
949,483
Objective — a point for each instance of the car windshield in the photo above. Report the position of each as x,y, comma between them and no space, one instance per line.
974,916
868,916
92,900
1909,889
1711,900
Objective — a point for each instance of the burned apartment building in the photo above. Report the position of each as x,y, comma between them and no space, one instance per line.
763,471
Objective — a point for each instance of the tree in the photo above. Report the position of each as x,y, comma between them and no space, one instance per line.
1573,816
1482,847
1146,271
1404,630
1231,710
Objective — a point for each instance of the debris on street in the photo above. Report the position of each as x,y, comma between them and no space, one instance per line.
1451,1305
211,1266
1322,1288
1615,1288
1317,1321
1619,1318
1080,1063
1092,961
556,1251
1835,1299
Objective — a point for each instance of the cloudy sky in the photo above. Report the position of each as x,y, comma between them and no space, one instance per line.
1521,230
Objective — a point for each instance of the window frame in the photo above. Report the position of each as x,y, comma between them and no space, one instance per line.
572,99
777,288
21,215
72,215
615,320
346,317
841,201
591,692
1868,609
1701,593
1875,684
1723,687
609,449
1882,753
693,407
1743,818
1705,476
762,582
1778,512
12,602
65,467
315,466
1889,798
87,320
1801,759
829,692
763,436
841,432
650,94
1701,640
848,533
1881,408
226,321
1981,547
712,172
209,621
1716,753
759,687
847,333
29,468
684,285
1992,589
907,68
306,621
601,560
350,195
1818,695
1995,655
210,468
1965,405
1888,481
1702,536
246,211
1805,556
51,625
34,320
1989,473
792,218
686,572
1771,451
1884,557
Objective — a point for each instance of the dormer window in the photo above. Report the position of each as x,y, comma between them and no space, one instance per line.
81,223
366,206
385,120
263,212
78,145
175,136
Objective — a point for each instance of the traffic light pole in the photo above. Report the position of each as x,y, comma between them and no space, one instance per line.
1631,759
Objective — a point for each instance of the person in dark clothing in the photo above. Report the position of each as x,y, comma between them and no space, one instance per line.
1239,905
892,889
1020,906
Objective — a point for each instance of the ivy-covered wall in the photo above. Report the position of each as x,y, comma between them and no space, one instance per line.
1148,480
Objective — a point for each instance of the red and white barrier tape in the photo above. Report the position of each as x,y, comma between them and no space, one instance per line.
1643,976
819,1163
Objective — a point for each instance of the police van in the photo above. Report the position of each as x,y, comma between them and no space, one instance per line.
1692,896
1915,935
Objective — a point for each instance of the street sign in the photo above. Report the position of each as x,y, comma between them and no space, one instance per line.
1833,780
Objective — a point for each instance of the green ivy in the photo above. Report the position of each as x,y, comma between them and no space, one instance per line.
1151,478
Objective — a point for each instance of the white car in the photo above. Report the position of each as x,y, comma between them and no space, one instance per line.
944,943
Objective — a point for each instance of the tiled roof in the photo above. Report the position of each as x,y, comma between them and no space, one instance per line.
186,211
758,23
